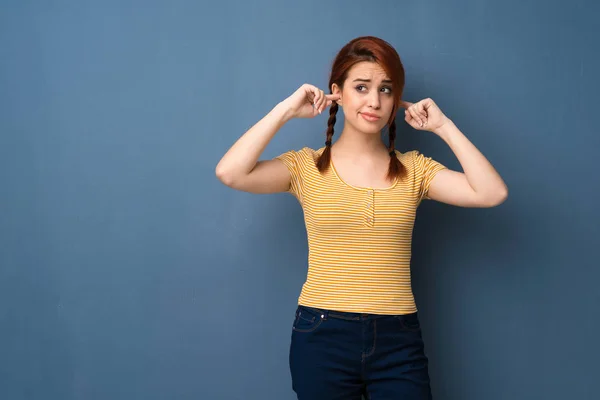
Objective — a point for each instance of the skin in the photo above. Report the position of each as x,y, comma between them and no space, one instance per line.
359,155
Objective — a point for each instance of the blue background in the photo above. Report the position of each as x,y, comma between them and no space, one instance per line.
128,271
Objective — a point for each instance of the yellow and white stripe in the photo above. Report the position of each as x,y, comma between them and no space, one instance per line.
359,239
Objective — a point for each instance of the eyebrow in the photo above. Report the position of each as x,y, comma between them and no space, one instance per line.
368,80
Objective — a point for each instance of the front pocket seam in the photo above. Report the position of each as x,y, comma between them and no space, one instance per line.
309,329
407,327
307,320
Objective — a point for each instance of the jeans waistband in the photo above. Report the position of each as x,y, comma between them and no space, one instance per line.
349,316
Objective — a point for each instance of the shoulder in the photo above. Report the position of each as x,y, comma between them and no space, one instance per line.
414,158
301,162
310,153
408,158
407,155
303,154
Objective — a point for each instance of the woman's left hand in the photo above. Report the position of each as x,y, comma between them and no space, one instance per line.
424,115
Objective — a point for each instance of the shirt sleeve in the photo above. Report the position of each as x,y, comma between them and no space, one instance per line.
291,159
425,170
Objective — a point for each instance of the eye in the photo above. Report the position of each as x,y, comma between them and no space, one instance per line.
358,88
389,89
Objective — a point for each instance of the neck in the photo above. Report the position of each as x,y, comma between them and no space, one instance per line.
360,143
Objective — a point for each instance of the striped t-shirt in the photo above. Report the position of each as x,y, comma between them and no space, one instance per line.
359,239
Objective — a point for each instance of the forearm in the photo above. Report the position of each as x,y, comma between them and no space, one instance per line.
481,175
242,157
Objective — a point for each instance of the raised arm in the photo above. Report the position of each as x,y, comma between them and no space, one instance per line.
240,167
479,185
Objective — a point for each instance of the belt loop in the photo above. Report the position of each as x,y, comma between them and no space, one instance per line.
324,314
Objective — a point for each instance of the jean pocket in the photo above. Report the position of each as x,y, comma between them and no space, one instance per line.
409,322
307,320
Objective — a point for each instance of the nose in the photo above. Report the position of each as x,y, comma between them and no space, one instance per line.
374,99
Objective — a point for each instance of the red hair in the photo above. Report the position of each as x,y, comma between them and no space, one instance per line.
372,49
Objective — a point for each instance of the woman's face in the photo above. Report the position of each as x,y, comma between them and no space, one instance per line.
366,98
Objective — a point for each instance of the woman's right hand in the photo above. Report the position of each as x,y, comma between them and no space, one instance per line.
309,101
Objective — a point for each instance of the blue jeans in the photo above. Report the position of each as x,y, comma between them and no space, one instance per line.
339,355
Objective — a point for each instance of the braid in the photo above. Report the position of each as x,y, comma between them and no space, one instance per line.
396,169
325,158
392,135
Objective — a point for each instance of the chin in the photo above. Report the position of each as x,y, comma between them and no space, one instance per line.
370,128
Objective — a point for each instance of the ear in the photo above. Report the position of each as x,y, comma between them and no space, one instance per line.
335,89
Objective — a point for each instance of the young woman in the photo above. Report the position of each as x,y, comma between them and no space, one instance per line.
356,331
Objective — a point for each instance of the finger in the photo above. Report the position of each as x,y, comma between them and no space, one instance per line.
410,120
422,112
421,115
322,102
333,96
415,115
405,104
313,94
316,94
422,109
317,102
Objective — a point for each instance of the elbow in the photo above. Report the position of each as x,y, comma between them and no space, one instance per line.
230,178
499,198
503,195
223,175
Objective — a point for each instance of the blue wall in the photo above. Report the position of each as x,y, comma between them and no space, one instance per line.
127,271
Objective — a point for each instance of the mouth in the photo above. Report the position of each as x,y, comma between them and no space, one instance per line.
370,117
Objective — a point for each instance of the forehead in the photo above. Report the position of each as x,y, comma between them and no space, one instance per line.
367,70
